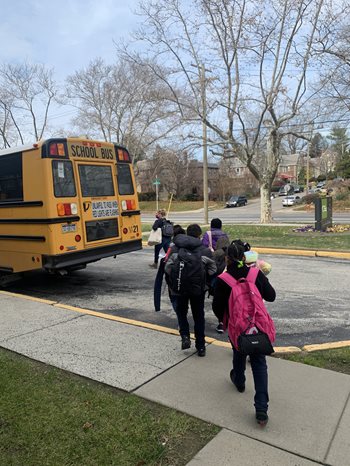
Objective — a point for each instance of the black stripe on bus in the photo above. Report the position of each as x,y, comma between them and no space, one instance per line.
130,213
23,238
21,204
40,221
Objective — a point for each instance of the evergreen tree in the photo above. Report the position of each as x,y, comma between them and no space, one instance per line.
339,141
317,145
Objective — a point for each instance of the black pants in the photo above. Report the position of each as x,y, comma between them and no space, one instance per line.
197,308
259,369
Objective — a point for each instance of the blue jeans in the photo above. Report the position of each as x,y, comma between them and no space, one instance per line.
259,369
197,308
157,248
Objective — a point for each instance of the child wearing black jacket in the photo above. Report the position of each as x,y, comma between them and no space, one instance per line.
237,268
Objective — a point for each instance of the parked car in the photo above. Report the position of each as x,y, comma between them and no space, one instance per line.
290,200
297,188
236,201
321,184
286,189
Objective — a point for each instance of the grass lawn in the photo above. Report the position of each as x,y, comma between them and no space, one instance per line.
51,417
176,206
336,359
283,237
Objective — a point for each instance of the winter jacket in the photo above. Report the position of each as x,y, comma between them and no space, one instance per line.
158,224
191,243
223,290
216,233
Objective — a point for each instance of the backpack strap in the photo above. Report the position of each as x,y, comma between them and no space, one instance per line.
227,278
252,274
210,237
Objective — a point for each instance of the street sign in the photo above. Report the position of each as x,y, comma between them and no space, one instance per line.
156,182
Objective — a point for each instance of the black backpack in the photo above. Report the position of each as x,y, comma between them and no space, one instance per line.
167,228
187,274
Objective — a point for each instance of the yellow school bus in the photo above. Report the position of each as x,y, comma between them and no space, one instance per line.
65,203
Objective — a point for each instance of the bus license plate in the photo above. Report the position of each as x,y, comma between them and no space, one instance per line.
69,228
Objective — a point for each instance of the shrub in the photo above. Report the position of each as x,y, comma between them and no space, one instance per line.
341,196
310,198
190,197
147,196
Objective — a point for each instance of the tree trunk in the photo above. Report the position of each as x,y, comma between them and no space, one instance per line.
265,208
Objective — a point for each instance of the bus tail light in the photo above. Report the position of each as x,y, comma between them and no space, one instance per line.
77,238
67,209
129,205
57,148
123,155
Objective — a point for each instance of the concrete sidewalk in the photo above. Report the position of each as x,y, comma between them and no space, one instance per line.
309,407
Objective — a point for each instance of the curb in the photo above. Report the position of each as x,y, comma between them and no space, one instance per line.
295,252
171,331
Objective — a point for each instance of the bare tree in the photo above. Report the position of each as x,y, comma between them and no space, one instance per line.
251,62
122,102
27,93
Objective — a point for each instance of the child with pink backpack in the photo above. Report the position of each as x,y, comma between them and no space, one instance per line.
238,303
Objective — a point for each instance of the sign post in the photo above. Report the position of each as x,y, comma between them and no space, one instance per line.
156,183
323,213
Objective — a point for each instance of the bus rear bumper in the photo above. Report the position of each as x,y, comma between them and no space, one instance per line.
72,259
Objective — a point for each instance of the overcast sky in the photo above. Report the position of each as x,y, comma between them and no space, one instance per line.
64,34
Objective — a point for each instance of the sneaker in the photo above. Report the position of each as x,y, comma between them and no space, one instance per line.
186,342
201,352
153,265
261,418
220,328
240,388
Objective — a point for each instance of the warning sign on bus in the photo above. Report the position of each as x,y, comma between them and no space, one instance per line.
102,209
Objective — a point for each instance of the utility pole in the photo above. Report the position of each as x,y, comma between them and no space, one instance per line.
205,146
308,167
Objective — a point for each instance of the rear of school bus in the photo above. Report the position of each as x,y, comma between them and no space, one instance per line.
89,207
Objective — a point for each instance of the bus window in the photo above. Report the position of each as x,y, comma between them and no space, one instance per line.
125,184
96,180
11,182
63,179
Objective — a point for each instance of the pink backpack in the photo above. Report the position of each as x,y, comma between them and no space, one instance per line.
247,311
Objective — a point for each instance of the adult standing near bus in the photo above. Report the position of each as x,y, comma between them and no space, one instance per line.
167,232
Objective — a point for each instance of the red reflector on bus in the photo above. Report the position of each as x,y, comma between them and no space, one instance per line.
77,238
125,230
67,209
61,247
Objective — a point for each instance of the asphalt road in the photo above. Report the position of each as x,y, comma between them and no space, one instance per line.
312,304
251,214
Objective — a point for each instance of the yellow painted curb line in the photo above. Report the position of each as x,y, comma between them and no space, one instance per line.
295,252
287,349
123,320
326,346
28,298
338,255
